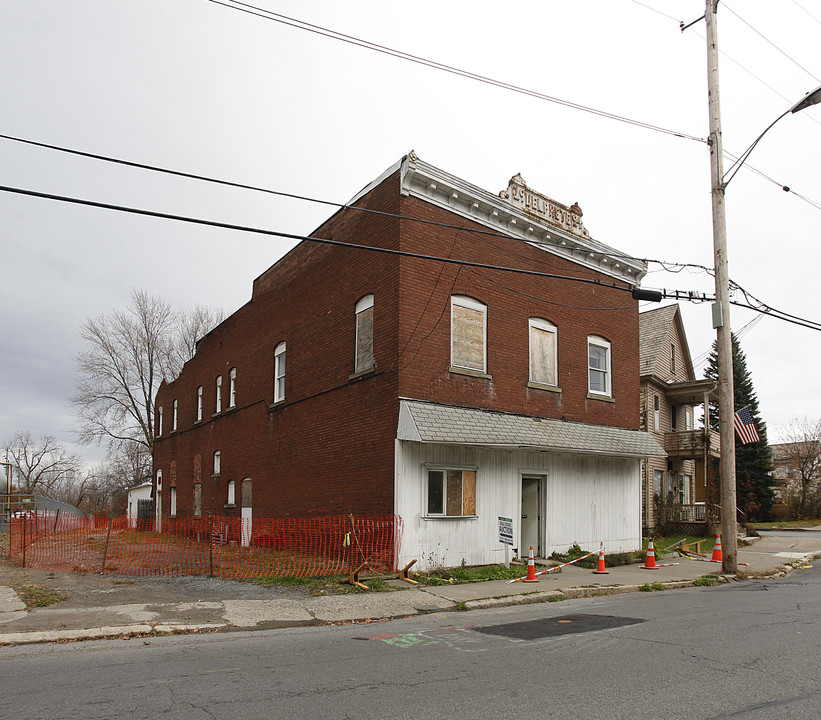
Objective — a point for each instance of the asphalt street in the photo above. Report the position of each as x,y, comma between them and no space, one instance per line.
746,649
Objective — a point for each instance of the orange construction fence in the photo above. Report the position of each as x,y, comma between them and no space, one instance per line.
220,546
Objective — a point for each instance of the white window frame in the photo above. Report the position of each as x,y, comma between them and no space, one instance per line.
544,326
218,404
444,470
280,369
159,421
656,412
174,417
232,493
232,388
471,304
199,404
599,342
217,466
159,480
172,510
361,364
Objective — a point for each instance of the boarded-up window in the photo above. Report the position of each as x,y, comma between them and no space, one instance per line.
197,499
364,334
542,352
451,492
245,489
468,325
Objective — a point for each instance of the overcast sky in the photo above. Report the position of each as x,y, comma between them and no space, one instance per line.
198,87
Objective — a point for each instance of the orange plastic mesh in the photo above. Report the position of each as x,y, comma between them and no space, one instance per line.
219,546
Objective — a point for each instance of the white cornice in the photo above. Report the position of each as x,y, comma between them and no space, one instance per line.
426,182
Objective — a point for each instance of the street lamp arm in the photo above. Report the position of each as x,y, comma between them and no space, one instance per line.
736,166
812,98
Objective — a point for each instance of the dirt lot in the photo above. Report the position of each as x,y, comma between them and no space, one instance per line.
93,589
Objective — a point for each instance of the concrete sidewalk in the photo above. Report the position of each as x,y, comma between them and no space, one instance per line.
214,605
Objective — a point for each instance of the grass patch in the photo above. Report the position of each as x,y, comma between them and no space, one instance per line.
322,585
36,596
656,586
469,574
785,524
705,581
611,560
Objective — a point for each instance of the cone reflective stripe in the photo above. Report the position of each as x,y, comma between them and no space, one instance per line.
531,568
600,570
650,561
717,557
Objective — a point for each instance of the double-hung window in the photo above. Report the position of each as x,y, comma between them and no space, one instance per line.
598,366
199,404
218,405
232,388
451,493
543,369
468,334
363,359
174,417
217,462
279,373
159,421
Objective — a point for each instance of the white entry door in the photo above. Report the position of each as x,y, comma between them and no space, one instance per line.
531,527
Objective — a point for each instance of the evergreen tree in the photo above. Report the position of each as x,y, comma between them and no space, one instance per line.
753,462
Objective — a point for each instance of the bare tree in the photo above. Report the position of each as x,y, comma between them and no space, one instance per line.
42,466
798,459
191,325
128,354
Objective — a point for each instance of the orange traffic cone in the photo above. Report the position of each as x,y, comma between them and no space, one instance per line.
531,568
650,560
600,570
717,557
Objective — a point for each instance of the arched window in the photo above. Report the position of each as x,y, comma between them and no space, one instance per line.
217,462
363,359
598,366
218,407
232,388
159,421
279,373
543,344
468,334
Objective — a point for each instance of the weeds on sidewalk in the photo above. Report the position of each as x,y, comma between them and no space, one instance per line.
36,596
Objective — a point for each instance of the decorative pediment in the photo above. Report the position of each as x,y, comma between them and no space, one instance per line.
543,208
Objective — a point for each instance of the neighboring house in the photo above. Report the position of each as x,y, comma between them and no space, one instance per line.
669,394
449,393
139,497
797,478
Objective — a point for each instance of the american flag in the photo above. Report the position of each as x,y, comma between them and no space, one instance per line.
745,426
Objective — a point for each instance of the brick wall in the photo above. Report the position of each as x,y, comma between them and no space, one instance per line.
329,447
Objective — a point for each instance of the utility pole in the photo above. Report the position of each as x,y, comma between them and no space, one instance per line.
721,309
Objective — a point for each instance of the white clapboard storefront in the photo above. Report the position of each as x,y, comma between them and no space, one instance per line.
459,469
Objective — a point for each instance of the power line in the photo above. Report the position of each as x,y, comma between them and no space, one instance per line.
368,45
293,236
771,43
801,7
676,294
330,203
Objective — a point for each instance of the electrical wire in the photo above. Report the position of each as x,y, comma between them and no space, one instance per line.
292,236
685,295
771,43
366,44
801,7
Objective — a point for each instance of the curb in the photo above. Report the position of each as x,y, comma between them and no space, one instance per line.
103,633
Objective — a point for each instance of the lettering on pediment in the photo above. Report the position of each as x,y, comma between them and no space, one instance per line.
542,208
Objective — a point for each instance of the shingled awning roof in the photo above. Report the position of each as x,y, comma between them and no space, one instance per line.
431,423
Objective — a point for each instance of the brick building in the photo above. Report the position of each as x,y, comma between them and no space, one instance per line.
450,393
